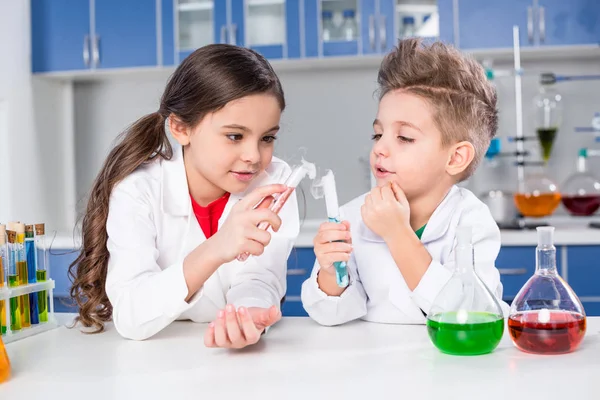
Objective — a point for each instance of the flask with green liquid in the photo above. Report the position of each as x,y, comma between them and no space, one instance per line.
466,318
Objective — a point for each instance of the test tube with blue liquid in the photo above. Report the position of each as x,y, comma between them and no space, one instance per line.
333,214
31,274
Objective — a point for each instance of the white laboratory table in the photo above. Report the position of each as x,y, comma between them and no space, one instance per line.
296,360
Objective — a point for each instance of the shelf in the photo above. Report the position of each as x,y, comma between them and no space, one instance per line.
206,6
416,8
259,3
7,293
33,330
554,53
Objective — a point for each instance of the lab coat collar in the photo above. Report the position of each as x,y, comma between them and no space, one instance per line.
436,227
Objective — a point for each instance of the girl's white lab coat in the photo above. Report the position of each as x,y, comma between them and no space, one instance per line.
377,291
151,229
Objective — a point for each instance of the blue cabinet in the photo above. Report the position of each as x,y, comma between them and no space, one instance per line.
71,35
300,265
60,35
489,24
541,22
125,34
568,22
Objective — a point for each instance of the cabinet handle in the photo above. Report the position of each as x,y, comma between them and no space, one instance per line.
223,34
542,24
372,31
232,34
96,51
293,298
86,50
512,271
296,271
530,24
383,33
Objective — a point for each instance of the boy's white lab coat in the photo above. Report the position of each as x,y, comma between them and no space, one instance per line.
151,229
377,291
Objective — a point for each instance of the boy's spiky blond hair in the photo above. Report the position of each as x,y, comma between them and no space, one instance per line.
455,85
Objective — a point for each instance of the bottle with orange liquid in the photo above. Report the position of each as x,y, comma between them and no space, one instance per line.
4,363
538,196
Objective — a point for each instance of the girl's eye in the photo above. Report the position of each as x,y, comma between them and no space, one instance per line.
405,139
269,139
234,137
376,136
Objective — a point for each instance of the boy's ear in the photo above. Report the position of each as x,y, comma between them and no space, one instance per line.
460,157
180,131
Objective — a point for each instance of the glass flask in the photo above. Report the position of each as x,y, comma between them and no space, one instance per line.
538,195
546,317
465,318
581,191
548,110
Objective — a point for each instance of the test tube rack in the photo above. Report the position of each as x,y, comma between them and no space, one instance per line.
7,293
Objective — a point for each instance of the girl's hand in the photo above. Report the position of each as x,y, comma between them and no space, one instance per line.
239,234
332,243
237,329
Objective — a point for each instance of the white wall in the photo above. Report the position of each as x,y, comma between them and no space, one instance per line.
32,131
328,119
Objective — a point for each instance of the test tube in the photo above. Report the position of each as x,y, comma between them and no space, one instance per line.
18,249
31,274
13,281
3,277
41,265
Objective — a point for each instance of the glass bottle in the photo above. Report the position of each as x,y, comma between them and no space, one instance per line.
546,317
349,27
465,318
548,106
581,191
328,27
538,195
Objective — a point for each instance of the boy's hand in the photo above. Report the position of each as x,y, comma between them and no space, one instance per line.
329,245
385,210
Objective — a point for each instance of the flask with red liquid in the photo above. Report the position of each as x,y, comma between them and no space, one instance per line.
581,191
546,317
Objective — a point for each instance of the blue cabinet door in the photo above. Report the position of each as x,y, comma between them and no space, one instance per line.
583,270
568,22
489,24
386,34
446,14
60,32
126,33
369,23
339,45
300,265
167,22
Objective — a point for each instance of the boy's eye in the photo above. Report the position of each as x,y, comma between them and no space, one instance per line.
269,139
405,139
376,136
234,137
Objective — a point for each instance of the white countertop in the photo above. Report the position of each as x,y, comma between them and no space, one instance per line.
569,231
296,360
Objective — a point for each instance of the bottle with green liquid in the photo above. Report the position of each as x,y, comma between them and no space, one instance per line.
3,277
466,318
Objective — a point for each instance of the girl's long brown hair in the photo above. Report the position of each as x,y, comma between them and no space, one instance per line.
203,83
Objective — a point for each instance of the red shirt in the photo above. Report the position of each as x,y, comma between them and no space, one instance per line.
208,217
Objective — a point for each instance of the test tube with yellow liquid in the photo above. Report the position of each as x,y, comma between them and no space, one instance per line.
13,281
18,250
